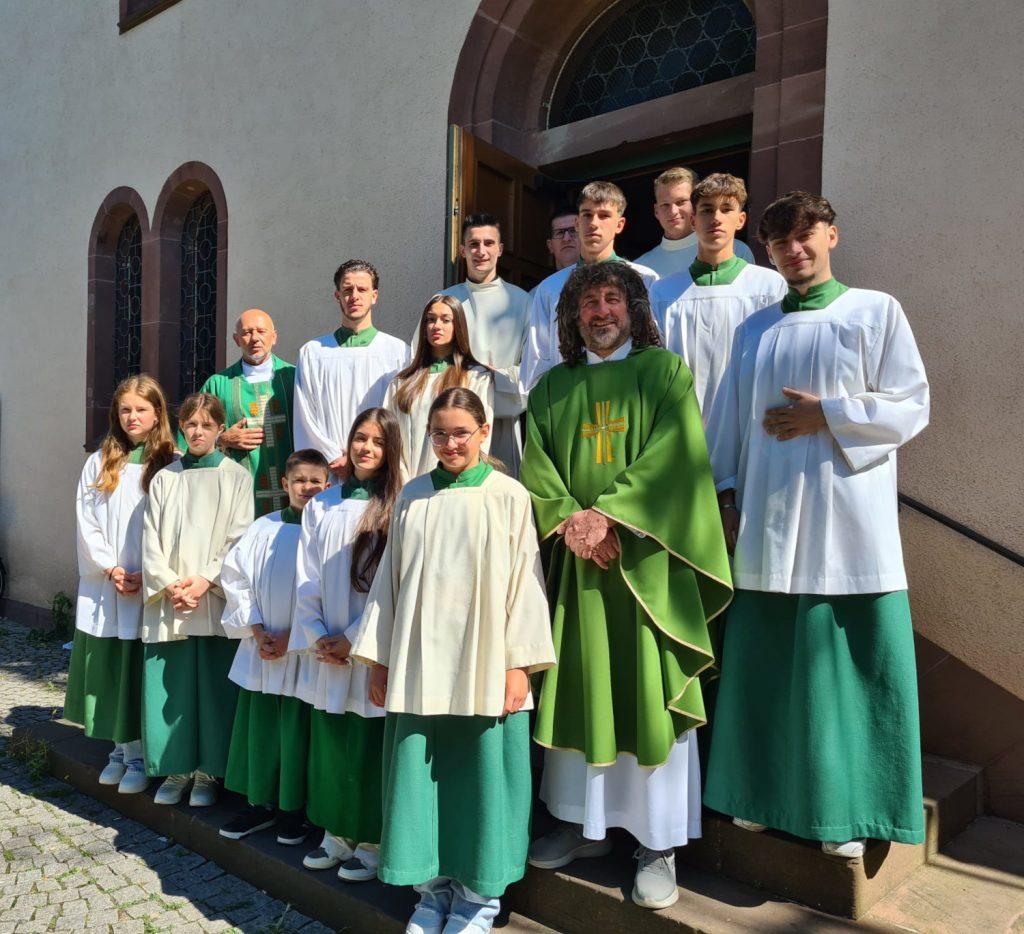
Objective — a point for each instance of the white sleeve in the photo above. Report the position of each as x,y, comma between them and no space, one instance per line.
310,423
95,552
509,399
528,622
240,517
238,576
870,425
372,642
308,618
722,423
537,348
157,574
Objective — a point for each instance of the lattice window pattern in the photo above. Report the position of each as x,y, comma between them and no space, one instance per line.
653,49
198,294
128,301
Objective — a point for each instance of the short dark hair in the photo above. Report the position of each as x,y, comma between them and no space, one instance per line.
794,211
308,456
643,331
563,210
201,402
356,265
481,219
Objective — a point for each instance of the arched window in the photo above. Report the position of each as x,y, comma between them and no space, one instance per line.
128,301
650,49
198,339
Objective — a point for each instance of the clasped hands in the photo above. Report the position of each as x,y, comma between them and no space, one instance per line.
333,650
125,582
591,535
270,645
186,593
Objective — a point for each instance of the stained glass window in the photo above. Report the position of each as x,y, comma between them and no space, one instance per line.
128,301
198,294
652,49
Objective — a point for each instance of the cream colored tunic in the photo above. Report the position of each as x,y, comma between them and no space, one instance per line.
193,517
458,599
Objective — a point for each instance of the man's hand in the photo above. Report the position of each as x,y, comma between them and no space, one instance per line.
339,466
607,550
517,689
585,531
189,592
241,437
333,650
730,518
378,685
802,416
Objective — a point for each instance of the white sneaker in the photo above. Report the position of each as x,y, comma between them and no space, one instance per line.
362,867
332,851
851,849
114,770
751,825
135,778
172,790
204,791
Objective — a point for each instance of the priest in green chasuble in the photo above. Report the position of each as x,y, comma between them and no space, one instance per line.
617,466
256,393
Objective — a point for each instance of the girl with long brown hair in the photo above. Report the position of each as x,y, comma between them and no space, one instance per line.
105,677
456,621
344,532
444,360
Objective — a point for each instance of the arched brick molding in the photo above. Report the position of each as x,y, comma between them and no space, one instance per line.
514,51
118,207
161,329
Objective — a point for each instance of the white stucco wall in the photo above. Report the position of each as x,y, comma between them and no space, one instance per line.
325,121
922,159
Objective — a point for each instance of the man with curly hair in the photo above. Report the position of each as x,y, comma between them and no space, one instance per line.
618,469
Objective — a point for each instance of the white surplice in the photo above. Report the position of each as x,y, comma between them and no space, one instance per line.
541,352
258,580
334,384
698,321
818,513
672,257
327,605
458,599
192,519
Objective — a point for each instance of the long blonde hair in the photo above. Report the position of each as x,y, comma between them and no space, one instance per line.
413,379
117,446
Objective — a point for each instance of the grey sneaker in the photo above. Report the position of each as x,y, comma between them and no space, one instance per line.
655,883
561,847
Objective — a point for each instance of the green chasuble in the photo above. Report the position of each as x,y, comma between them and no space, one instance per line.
626,438
723,274
267,406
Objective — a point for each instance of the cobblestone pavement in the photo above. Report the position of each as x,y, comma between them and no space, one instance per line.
70,863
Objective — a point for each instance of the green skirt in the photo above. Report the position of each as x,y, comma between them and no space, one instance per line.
343,787
269,746
188,705
457,800
104,691
816,727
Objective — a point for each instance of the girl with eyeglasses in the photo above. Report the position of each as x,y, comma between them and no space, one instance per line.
443,360
455,622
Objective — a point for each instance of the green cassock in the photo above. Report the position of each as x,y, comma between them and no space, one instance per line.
264,405
626,439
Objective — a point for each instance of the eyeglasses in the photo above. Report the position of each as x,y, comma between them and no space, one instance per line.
564,233
460,436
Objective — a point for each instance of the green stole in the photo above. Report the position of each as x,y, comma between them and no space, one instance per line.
724,273
354,488
263,405
817,297
137,454
626,438
472,476
346,337
191,462
291,516
439,366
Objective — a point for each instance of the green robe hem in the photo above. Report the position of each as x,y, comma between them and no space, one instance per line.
104,692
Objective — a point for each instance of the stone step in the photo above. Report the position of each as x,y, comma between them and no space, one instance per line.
798,870
589,896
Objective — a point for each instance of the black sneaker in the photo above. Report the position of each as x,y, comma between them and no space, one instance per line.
292,828
249,821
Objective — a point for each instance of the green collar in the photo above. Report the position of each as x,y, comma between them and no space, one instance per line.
190,461
291,516
439,366
614,258
724,273
818,296
474,476
137,452
346,337
354,488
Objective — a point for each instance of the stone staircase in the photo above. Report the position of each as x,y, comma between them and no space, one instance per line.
731,880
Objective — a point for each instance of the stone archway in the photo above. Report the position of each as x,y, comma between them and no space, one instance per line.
514,50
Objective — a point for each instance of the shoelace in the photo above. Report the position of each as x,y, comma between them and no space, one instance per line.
647,856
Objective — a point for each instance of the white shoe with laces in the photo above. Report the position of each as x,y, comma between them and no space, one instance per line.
135,778
204,791
172,790
332,851
114,770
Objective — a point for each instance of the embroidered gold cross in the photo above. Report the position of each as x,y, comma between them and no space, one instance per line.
260,417
602,428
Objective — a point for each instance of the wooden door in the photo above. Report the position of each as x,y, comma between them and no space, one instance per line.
482,178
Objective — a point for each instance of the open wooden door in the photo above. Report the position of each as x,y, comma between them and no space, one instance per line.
482,178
